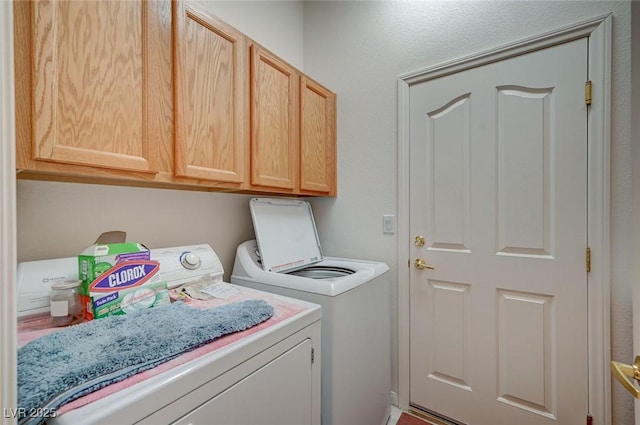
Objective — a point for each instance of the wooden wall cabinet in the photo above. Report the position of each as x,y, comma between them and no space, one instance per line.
163,94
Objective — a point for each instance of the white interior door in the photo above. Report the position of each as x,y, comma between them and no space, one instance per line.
498,182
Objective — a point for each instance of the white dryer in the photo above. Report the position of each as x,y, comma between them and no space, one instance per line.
230,381
354,294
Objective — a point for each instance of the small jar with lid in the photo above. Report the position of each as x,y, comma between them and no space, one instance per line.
66,307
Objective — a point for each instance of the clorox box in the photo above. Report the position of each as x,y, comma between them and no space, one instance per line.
119,278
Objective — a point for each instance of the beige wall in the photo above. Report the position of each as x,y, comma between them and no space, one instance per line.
61,219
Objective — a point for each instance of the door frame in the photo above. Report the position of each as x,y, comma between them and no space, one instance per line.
8,305
635,180
598,30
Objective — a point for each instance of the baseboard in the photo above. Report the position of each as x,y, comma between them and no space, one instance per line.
394,398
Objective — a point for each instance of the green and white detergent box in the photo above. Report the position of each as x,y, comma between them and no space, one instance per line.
119,278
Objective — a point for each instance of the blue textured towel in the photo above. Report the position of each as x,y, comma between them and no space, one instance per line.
63,366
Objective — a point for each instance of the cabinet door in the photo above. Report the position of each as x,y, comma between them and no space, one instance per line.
90,66
317,137
210,89
274,121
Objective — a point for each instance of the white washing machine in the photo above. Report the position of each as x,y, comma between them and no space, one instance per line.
354,294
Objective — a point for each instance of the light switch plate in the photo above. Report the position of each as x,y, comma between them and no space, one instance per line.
389,224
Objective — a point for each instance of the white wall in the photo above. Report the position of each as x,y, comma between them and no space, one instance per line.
276,25
61,219
359,48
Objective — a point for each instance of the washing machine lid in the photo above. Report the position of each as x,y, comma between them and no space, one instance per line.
286,233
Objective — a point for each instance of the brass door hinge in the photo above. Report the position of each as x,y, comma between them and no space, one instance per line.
587,92
588,258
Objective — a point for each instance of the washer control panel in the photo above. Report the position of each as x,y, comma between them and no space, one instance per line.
190,260
183,263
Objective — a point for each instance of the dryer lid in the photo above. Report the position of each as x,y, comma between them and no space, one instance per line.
286,233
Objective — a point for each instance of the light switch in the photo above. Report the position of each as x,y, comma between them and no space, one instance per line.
389,223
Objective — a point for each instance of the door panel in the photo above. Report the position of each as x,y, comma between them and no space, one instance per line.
524,146
448,183
90,82
525,339
317,137
211,101
450,326
274,121
498,169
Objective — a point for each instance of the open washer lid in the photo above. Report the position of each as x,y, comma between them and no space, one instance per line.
286,234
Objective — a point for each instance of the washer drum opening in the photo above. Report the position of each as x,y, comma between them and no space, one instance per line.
322,272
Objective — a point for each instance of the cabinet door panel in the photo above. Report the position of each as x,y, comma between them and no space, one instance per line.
90,84
210,97
274,131
317,137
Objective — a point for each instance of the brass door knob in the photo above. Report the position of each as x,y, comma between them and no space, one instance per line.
420,264
625,371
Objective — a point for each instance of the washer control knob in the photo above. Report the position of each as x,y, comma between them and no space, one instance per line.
189,260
